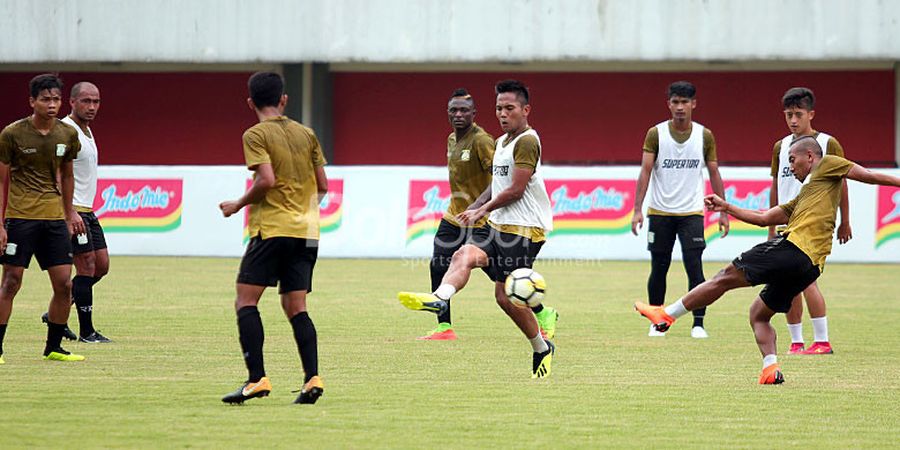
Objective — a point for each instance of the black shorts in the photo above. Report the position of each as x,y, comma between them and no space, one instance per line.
662,230
95,238
284,261
47,240
784,268
506,252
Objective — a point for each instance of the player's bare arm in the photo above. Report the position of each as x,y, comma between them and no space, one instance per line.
861,174
4,176
67,182
773,201
520,178
715,179
262,182
774,216
321,183
844,232
482,199
637,220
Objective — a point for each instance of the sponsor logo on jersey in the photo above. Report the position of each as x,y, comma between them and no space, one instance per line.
679,163
501,171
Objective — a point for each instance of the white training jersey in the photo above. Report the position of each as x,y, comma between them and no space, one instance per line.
85,168
533,209
677,177
788,185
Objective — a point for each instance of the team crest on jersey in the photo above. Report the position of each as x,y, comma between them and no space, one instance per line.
60,149
465,155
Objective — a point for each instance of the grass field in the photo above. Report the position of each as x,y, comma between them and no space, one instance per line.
176,353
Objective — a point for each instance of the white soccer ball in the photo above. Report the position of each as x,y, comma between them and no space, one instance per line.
525,288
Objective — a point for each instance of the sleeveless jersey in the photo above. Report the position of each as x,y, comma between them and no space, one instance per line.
533,209
677,176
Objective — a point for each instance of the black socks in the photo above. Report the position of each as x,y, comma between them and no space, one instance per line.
305,335
83,295
250,330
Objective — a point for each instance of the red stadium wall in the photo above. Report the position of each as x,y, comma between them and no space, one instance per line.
155,118
399,118
602,118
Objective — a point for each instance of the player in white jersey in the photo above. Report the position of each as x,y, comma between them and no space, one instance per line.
675,153
799,111
90,255
519,220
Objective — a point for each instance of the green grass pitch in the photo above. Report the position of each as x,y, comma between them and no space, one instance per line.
176,353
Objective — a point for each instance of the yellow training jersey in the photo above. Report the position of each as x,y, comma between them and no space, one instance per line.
812,211
291,207
469,161
34,160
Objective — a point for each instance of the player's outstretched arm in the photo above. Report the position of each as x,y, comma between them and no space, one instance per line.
715,180
860,173
262,182
773,216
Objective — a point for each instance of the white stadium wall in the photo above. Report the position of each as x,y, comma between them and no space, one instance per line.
404,31
391,212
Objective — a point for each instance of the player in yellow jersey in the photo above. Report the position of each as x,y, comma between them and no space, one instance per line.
786,264
288,184
39,218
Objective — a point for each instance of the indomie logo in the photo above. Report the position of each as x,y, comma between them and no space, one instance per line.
145,198
434,203
680,163
750,201
598,199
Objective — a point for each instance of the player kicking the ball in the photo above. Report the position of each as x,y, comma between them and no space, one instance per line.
786,264
519,219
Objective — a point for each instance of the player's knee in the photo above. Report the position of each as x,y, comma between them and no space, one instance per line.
466,256
10,285
62,288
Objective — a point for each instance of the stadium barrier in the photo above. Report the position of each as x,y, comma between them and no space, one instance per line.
392,212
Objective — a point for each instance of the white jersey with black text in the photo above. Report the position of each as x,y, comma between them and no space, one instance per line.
84,167
677,178
788,185
533,209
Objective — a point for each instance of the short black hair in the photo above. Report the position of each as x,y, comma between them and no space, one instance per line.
514,86
682,89
460,93
266,89
808,143
799,97
45,81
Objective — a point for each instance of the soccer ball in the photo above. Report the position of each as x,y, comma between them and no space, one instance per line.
525,288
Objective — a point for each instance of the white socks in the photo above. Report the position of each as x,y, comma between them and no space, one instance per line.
820,329
768,360
538,344
676,309
445,291
796,330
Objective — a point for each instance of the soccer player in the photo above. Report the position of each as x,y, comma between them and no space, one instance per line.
799,111
470,153
289,182
675,152
90,253
39,218
786,264
519,220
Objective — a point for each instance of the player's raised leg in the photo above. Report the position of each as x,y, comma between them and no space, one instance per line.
467,258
